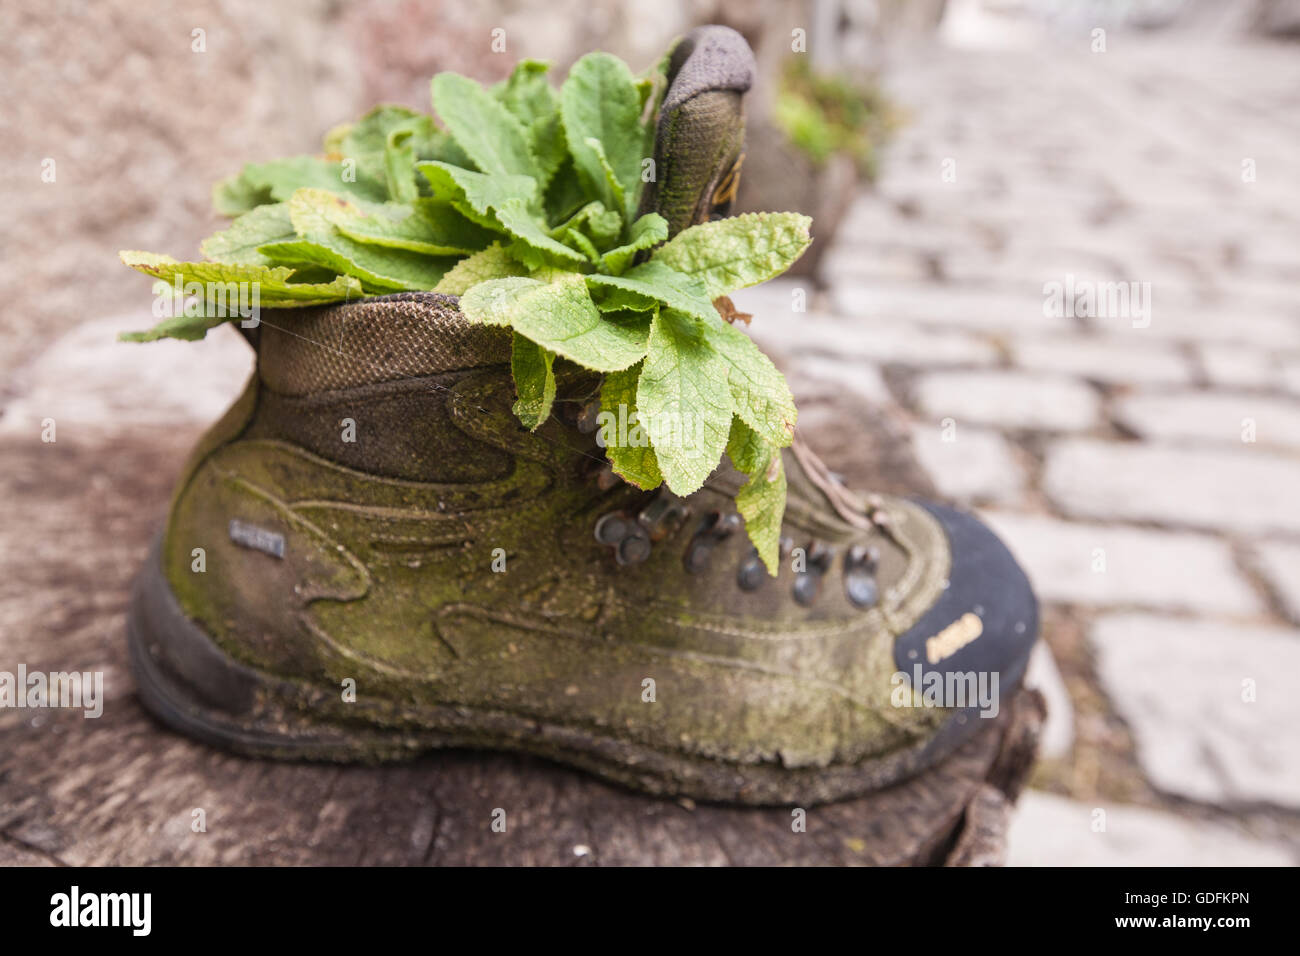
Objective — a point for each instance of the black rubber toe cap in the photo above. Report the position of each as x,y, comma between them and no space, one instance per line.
985,621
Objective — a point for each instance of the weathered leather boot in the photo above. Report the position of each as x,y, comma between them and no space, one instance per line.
368,557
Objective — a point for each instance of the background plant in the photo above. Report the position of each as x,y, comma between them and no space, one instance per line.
825,114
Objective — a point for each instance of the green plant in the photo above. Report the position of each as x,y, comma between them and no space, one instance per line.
827,114
524,203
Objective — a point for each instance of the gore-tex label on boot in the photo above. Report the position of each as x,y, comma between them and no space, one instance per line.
259,539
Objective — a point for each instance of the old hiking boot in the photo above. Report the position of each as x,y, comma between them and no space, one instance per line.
488,587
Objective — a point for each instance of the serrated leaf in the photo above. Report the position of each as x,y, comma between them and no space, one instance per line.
624,300
494,262
538,247
384,146
600,101
530,99
559,316
399,166
578,240
672,288
279,179
683,401
274,284
321,243
646,233
592,210
761,501
526,93
188,328
652,85
740,251
616,190
380,270
369,135
626,444
235,195
498,301
605,228
489,133
565,194
227,290
533,368
476,195
759,391
430,226
546,139
239,241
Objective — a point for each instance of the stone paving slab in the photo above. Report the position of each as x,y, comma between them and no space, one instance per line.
978,465
1118,566
1240,367
1279,563
1241,491
1219,416
1050,830
1212,706
1011,400
1103,359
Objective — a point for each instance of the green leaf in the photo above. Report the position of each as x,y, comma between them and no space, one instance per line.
652,85
559,316
646,233
321,243
673,289
384,145
683,401
531,100
369,136
600,101
279,179
475,195
274,285
625,300
616,190
579,241
627,446
533,369
581,217
740,251
486,130
565,194
546,139
225,292
761,501
238,243
189,328
399,166
494,262
235,195
759,391
526,93
430,226
538,248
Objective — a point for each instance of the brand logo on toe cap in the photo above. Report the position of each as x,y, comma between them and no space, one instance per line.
954,637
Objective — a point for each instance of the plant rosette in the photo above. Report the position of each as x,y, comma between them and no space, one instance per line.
523,202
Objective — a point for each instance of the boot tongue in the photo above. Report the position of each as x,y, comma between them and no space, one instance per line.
701,128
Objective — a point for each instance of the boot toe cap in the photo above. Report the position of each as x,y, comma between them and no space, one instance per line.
986,618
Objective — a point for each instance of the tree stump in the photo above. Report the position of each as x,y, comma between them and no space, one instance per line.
122,790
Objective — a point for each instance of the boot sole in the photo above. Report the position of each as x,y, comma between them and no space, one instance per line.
194,687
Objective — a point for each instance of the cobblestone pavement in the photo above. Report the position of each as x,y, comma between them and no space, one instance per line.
1142,455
